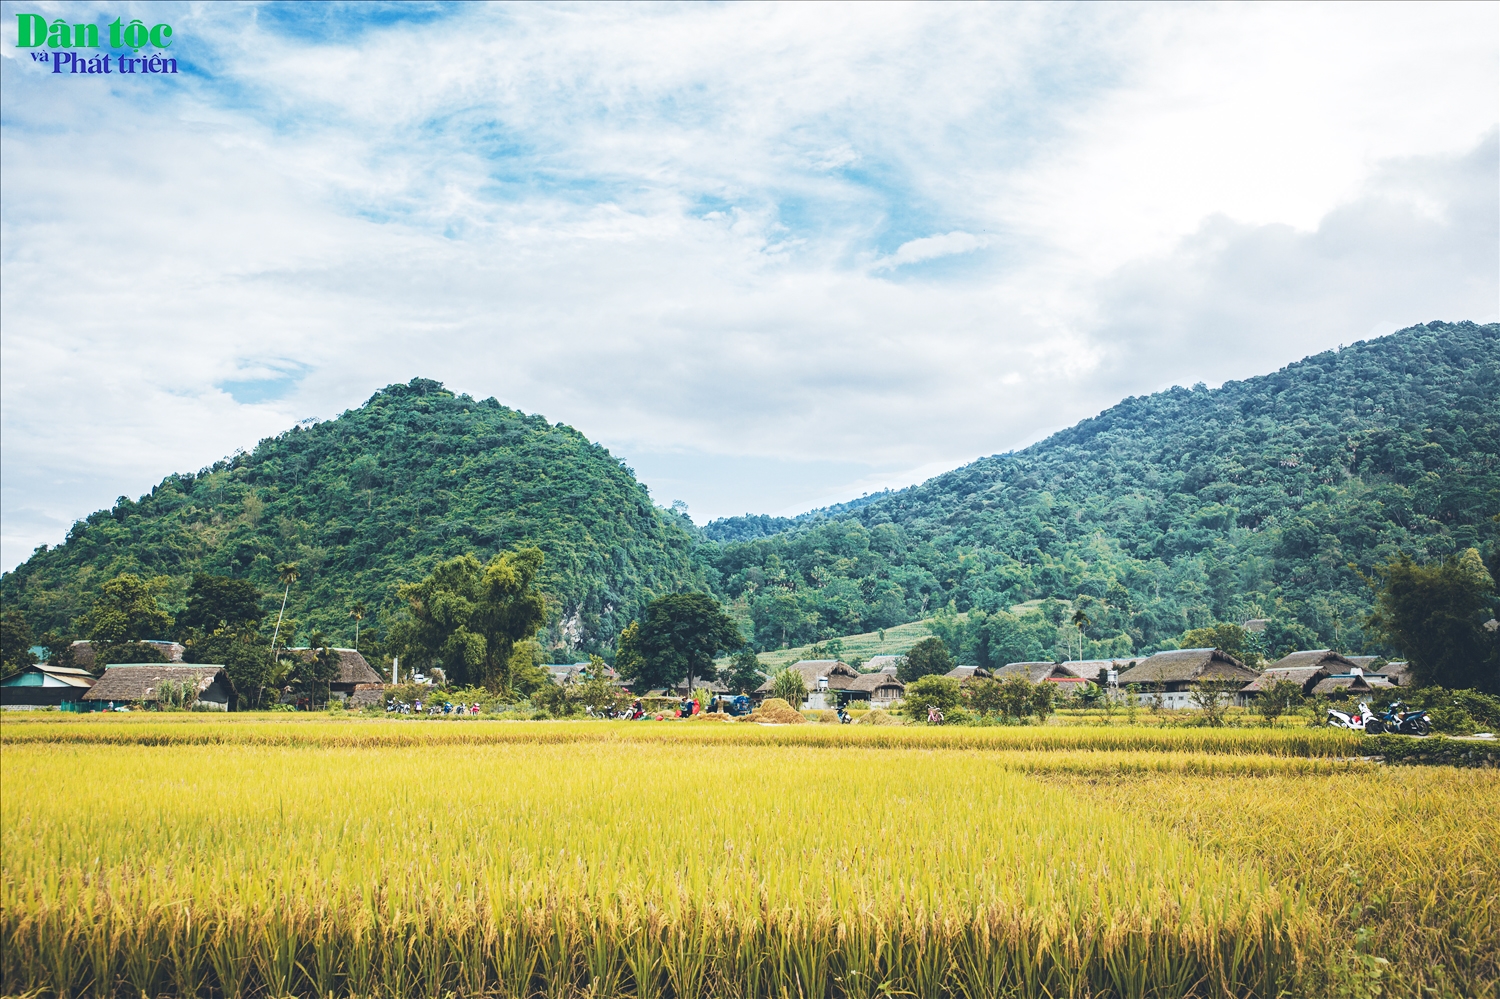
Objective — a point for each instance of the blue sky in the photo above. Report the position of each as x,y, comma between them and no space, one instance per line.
773,256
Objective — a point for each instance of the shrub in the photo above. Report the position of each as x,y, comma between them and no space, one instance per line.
942,692
788,686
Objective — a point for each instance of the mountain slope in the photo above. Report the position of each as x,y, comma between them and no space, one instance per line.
1169,511
375,497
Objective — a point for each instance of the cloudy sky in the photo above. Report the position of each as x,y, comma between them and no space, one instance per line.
772,256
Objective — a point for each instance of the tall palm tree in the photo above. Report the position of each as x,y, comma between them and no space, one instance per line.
1080,621
288,574
358,613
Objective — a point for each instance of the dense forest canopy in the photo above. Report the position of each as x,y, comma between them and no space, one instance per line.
1267,498
377,497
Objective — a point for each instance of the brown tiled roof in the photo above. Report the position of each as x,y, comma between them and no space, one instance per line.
140,683
352,666
1187,665
1326,658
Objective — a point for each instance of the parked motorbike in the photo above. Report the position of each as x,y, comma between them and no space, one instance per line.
1403,722
1363,720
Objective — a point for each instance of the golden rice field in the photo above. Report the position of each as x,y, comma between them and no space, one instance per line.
256,856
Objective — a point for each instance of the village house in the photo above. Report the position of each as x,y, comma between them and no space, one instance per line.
43,686
1173,674
1318,671
969,673
881,688
824,679
1097,670
564,674
357,682
209,687
1351,684
83,652
1064,675
882,664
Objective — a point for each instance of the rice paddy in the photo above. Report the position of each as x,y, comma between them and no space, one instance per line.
177,855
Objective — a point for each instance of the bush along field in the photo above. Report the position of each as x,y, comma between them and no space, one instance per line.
230,857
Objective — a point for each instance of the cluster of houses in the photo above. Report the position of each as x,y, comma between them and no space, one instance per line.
85,687
1170,676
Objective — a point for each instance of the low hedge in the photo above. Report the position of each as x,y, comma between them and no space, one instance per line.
1434,750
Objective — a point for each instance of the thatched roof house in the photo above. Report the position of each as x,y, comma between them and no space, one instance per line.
1350,684
1174,674
84,657
1398,672
969,673
1305,677
141,684
883,664
1097,670
1326,659
881,688
1064,675
820,676
40,686
354,671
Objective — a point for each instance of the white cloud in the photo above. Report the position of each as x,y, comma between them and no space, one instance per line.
931,248
685,230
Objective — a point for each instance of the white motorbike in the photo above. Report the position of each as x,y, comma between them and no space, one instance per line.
1364,720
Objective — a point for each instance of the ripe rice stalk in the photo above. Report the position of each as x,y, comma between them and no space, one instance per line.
231,952
188,935
645,953
603,962
145,951
511,956
104,950
279,947
61,946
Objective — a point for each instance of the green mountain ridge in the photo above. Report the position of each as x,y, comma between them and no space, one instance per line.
1164,512
377,497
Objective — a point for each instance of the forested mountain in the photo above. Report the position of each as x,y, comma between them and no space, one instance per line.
376,497
1265,498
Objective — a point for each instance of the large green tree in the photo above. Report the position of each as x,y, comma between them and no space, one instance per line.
221,625
744,672
15,642
125,614
467,616
929,657
1435,615
676,640
1230,638
215,602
